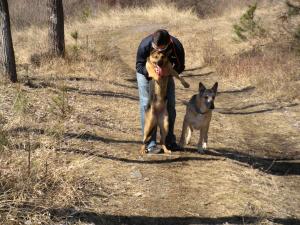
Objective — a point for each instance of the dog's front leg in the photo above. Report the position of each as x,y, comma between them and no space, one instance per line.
200,150
176,75
202,144
205,137
164,126
183,134
189,134
150,124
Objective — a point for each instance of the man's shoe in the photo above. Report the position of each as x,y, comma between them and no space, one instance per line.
173,147
153,150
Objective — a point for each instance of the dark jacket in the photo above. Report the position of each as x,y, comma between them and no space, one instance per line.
177,57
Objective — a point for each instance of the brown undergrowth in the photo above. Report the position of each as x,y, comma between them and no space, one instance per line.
70,132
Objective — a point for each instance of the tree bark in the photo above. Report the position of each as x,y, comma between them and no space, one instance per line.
56,28
6,46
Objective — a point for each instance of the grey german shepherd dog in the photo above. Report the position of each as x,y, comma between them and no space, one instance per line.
198,116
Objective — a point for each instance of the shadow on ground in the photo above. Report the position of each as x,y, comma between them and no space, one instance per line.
195,68
197,75
275,166
246,89
109,94
92,137
164,158
236,111
281,167
268,165
70,215
125,86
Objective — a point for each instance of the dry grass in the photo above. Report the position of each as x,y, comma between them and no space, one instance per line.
34,12
78,118
272,72
28,193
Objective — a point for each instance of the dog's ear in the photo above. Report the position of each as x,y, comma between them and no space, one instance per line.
202,88
215,87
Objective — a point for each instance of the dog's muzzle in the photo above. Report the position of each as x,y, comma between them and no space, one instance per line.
160,63
160,71
210,105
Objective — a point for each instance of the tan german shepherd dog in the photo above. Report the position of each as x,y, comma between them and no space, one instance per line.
159,69
198,116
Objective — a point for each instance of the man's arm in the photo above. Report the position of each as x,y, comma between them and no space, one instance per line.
141,60
180,54
141,57
174,73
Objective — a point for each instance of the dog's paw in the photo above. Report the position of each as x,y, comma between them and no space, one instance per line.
166,151
200,150
143,150
180,145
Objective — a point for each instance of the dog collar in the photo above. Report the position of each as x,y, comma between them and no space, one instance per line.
198,110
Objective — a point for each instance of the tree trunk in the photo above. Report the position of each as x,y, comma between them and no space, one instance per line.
6,46
56,28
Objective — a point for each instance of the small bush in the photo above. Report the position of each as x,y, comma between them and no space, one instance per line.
297,39
293,10
75,48
208,8
3,134
75,35
60,104
2,120
297,33
248,26
3,140
86,13
293,28
21,105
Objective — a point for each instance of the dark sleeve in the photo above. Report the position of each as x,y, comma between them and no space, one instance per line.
181,57
141,59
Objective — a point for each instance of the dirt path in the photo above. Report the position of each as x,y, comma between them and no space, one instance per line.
249,175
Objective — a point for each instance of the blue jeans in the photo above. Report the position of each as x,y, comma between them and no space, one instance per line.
143,86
